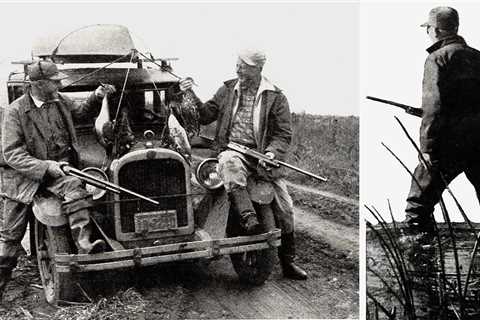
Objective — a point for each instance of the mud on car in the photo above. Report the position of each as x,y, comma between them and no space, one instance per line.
192,219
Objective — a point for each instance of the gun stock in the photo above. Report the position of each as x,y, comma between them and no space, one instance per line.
418,112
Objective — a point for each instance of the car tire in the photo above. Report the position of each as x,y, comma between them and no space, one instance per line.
253,267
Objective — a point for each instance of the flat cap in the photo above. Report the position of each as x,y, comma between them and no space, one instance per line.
45,70
445,18
253,57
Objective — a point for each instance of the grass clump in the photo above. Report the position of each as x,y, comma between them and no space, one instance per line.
128,304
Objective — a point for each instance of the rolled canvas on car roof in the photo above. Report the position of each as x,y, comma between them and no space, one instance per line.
100,43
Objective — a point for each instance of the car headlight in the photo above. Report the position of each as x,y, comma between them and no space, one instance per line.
207,174
96,192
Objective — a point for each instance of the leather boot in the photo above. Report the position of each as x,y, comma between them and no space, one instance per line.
5,277
286,253
244,207
81,230
418,224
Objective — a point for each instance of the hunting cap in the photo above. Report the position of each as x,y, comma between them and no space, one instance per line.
45,70
253,57
445,18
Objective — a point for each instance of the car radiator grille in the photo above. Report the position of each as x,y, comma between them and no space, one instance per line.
153,178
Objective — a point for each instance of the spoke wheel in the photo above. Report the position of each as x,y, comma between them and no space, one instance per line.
58,286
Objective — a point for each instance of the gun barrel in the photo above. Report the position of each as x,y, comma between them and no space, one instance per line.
393,103
274,163
408,109
303,171
94,183
104,184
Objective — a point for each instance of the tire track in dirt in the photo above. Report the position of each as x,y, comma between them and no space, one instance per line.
326,294
323,295
337,236
277,299
323,193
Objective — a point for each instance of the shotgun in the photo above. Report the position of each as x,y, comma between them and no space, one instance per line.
271,162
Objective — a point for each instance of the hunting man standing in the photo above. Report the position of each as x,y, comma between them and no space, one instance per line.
449,132
37,136
253,112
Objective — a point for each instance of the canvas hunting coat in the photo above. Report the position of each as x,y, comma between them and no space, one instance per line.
451,100
271,116
24,147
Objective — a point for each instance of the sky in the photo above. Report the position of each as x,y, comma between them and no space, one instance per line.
312,48
392,57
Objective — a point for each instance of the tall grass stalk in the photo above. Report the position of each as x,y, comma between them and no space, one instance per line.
446,217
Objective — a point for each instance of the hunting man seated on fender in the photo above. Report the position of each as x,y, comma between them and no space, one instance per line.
253,112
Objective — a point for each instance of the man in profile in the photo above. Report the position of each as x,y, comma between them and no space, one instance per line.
449,132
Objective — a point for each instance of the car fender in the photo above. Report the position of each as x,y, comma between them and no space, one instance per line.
48,210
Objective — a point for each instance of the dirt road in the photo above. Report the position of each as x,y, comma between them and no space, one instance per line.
327,249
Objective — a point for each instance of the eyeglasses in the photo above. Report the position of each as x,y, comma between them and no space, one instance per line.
246,67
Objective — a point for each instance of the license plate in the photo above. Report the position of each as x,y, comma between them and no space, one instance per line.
155,221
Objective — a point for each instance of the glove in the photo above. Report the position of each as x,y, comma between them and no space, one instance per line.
104,89
54,169
186,84
265,171
263,163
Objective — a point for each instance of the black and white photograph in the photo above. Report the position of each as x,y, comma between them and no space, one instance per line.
190,160
420,87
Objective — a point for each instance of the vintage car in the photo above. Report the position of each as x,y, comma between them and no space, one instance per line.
192,219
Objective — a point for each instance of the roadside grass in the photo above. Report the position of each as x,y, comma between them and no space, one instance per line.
327,146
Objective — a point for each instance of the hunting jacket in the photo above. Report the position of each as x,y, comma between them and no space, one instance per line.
450,99
271,117
24,147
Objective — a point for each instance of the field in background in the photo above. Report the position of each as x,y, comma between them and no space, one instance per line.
327,146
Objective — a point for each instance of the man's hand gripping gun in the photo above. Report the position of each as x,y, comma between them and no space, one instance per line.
106,185
271,162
